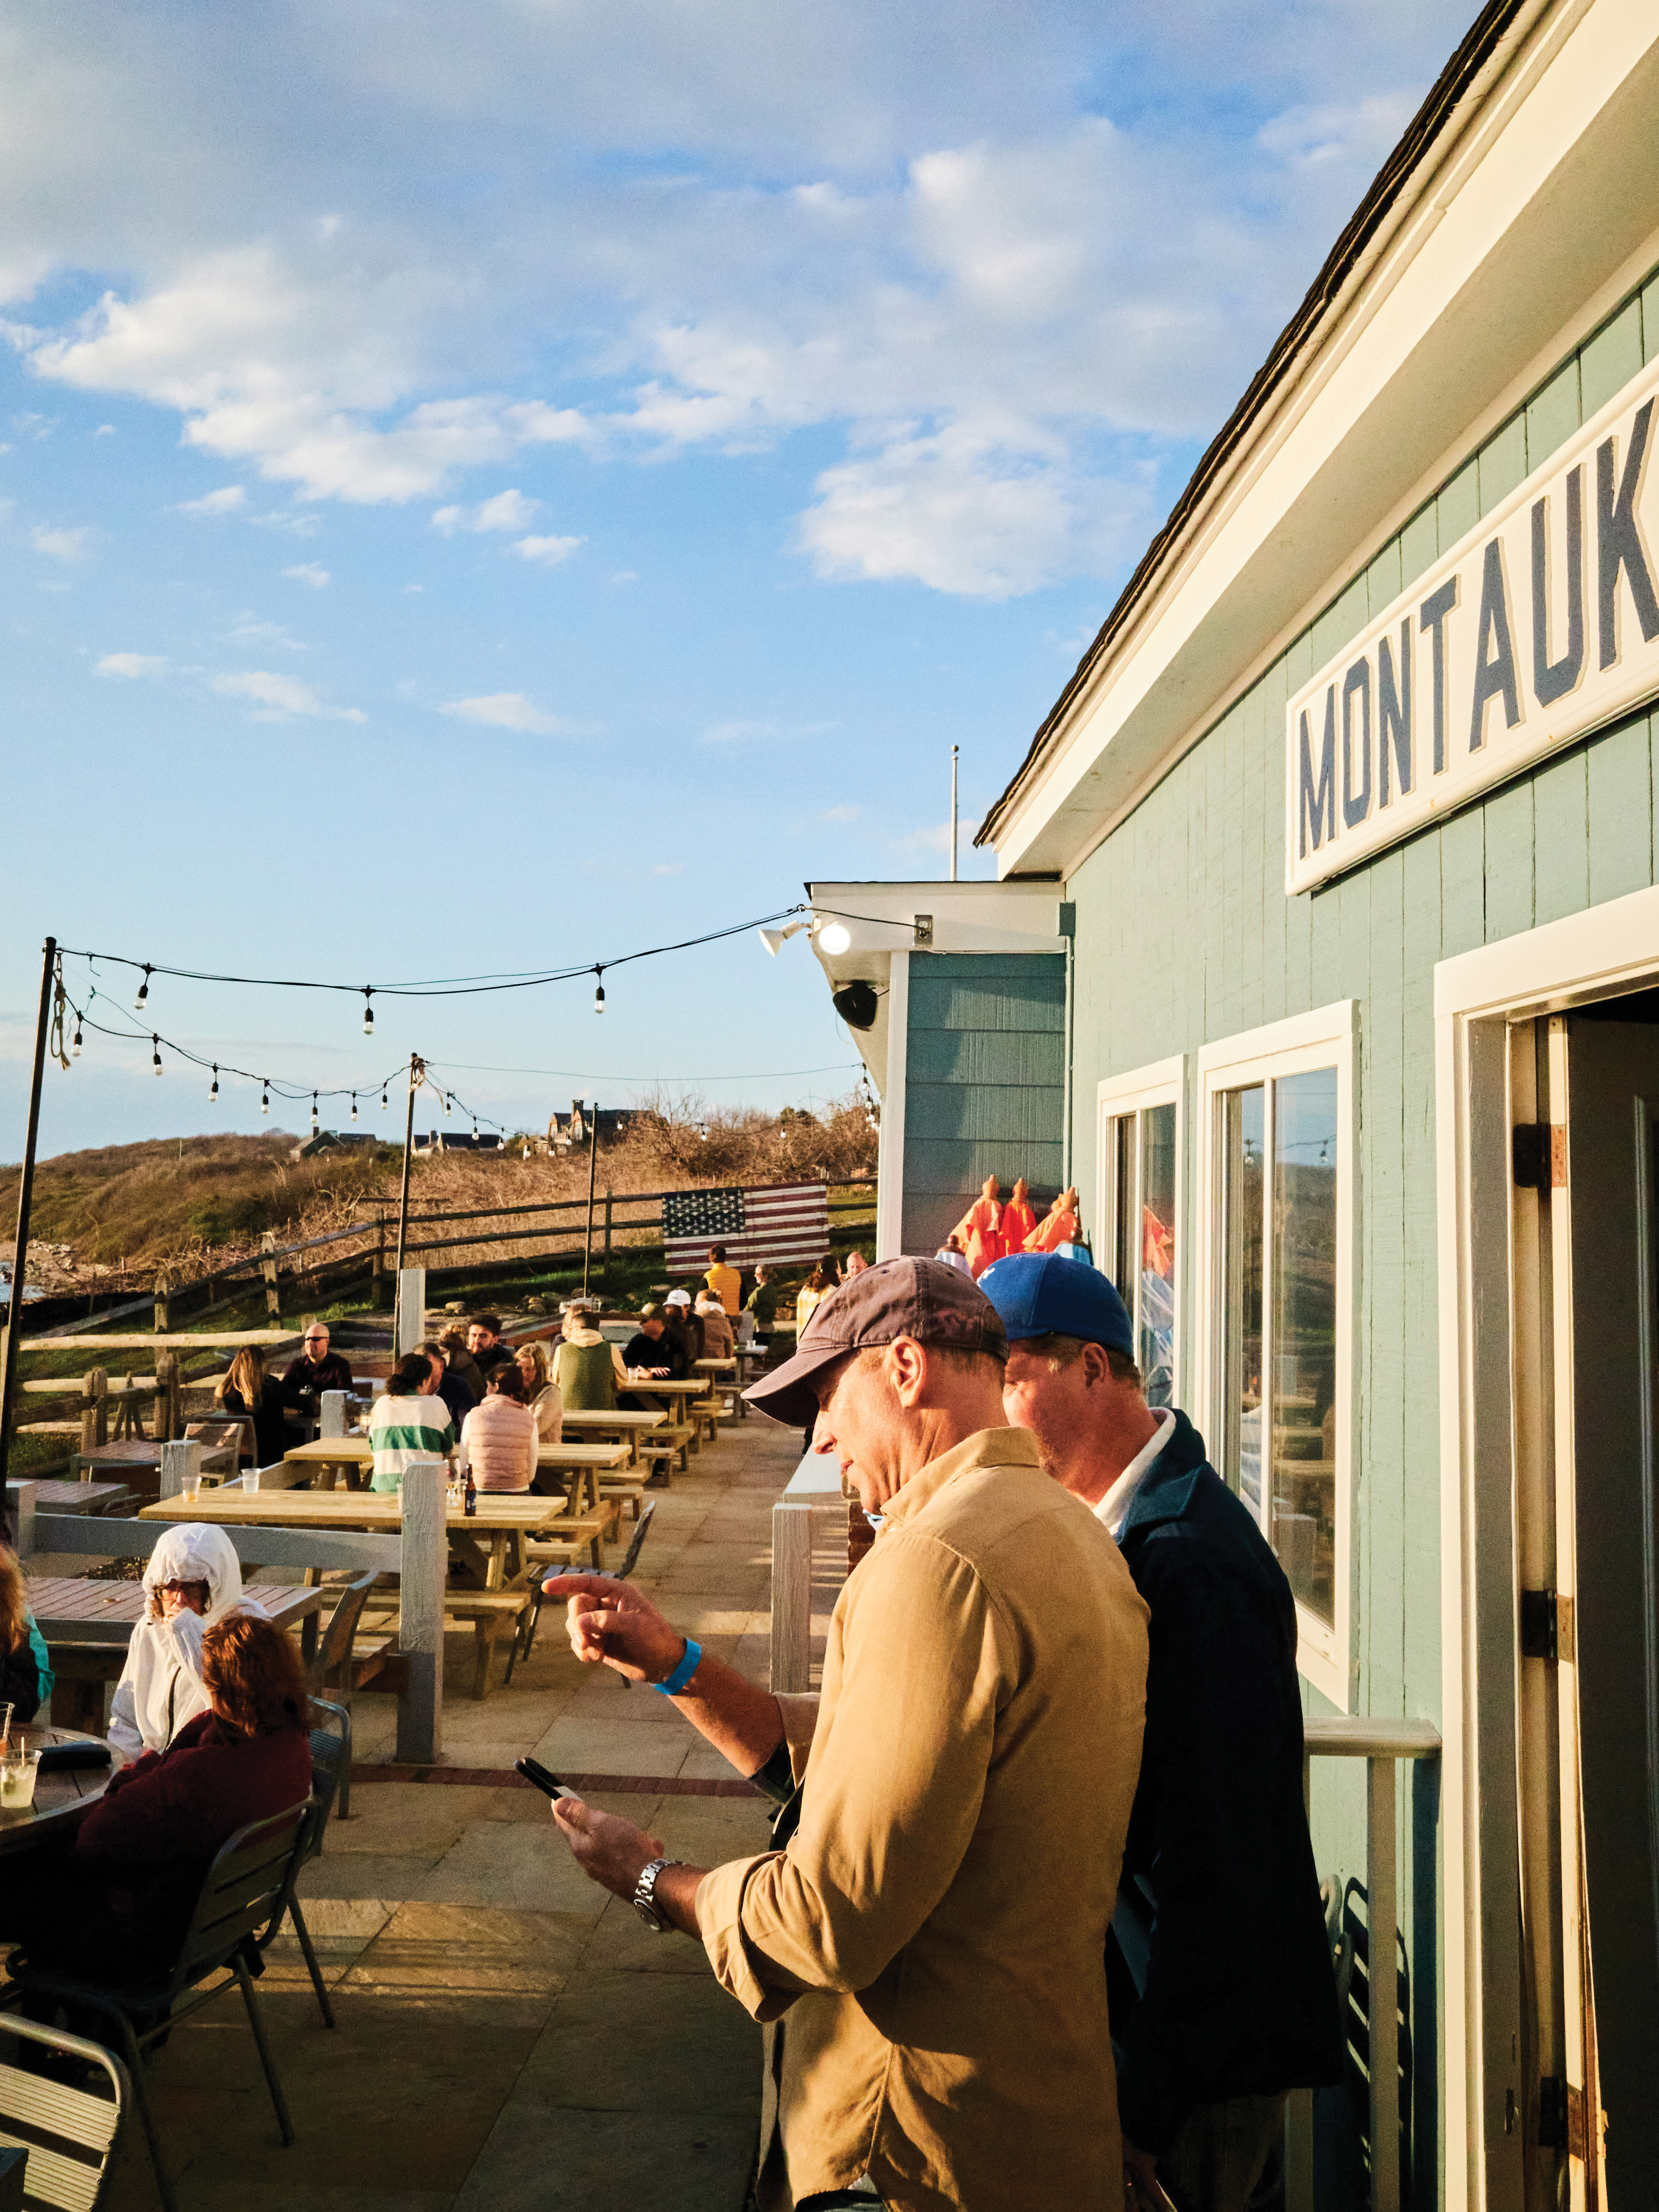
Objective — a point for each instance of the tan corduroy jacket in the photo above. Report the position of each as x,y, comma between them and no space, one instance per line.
934,1928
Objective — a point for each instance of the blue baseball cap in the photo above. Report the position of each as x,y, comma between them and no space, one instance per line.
1040,1294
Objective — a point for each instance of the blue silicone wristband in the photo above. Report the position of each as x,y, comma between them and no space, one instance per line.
682,1674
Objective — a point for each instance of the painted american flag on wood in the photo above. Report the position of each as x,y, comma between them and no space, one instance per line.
784,1223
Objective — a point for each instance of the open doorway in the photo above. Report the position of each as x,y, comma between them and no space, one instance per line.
1584,1100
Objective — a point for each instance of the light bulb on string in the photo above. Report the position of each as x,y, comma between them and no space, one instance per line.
369,1010
155,1053
213,1095
354,1105
314,1114
74,1047
598,993
138,1004
383,1098
264,1094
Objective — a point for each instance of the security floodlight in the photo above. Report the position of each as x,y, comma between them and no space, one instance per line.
773,939
835,937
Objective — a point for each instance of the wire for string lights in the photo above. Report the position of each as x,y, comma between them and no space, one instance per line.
439,987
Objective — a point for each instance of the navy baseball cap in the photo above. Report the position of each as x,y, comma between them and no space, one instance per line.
1040,1294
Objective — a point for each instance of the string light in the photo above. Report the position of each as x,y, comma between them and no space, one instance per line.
264,1094
314,1125
155,1053
598,995
213,1095
383,1098
75,1048
368,1010
143,990
354,1105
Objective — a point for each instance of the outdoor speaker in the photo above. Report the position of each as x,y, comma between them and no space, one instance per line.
856,1005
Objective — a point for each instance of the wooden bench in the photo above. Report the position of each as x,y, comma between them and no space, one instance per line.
563,1542
617,1490
494,1617
662,1447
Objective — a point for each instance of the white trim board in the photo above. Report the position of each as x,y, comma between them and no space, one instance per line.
1323,1037
1478,997
1160,1083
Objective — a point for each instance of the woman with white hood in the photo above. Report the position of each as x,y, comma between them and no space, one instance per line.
192,1578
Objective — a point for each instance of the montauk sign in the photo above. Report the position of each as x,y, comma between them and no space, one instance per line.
1539,625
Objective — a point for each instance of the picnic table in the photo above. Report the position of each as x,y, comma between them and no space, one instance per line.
488,1546
87,1624
62,1801
330,1455
691,1387
624,1421
139,1460
94,1497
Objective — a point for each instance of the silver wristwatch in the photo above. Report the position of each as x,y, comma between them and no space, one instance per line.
644,1899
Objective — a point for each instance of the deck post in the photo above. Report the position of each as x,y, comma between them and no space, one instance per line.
179,1460
332,1420
20,1499
421,1616
268,1270
1383,1976
411,1309
792,1596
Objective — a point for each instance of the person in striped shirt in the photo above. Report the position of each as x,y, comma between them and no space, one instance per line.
409,1422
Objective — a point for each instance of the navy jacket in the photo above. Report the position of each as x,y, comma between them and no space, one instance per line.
1237,1995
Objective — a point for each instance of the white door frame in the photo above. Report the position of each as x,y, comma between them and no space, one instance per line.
1478,997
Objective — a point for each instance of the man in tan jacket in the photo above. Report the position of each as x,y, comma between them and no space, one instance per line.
929,1932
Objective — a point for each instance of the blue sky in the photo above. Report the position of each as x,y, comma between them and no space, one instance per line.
495,488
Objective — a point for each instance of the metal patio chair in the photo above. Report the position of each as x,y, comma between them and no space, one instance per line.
249,1887
522,1643
66,2136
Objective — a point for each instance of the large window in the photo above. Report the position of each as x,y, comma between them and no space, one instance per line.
1277,1282
1140,1209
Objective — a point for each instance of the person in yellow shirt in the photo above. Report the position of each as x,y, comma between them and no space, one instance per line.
725,1282
929,1926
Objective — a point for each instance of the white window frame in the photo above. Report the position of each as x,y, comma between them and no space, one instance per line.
1322,1038
1160,1083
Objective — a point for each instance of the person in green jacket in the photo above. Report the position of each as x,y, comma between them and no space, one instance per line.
763,1300
588,1369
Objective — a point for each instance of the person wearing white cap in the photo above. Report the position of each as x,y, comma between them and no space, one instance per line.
192,1578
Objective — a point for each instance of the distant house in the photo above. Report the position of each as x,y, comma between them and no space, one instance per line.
569,1132
458,1141
332,1140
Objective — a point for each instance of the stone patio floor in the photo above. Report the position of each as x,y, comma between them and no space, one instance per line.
509,2036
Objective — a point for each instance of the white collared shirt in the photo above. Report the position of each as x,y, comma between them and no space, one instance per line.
1114,1508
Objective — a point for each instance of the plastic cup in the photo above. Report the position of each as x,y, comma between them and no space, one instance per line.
250,1482
191,1486
18,1769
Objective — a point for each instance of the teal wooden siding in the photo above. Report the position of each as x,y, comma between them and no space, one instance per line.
985,1076
1185,937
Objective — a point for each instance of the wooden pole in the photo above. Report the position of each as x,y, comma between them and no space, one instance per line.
604,1270
25,1195
408,1146
268,1270
592,1168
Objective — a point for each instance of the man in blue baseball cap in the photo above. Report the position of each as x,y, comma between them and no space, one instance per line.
1222,1998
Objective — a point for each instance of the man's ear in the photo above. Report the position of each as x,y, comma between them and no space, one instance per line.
1097,1368
905,1364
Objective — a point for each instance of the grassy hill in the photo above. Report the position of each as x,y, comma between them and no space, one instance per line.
136,1205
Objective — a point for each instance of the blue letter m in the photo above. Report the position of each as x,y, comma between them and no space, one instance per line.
1317,804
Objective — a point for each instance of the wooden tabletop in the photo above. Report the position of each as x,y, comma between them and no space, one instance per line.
76,1609
718,1366
62,1801
662,1384
358,1451
78,1496
376,1510
145,1452
623,1416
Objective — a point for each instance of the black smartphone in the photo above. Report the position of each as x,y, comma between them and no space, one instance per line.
532,1771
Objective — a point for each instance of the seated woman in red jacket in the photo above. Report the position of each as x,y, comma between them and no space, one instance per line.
115,1905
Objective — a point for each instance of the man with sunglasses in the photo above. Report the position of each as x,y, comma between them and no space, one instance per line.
315,1370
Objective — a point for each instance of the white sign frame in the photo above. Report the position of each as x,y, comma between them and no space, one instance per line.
1459,685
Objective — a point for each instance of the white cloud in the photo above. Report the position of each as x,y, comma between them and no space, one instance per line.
63,545
130,663
509,510
278,698
512,710
549,551
840,814
936,839
996,305
308,572
669,868
223,502
248,629
105,430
